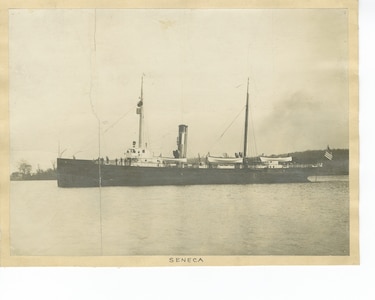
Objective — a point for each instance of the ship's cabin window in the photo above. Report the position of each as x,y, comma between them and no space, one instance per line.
143,151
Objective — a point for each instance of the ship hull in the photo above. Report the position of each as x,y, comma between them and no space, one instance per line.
85,173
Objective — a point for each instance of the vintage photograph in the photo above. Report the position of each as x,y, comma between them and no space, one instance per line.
182,133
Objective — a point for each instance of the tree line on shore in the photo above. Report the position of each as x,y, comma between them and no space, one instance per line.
25,172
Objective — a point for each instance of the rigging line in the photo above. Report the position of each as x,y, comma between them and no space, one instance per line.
163,136
253,131
119,119
99,162
147,132
182,101
254,144
228,127
93,56
160,141
93,60
91,141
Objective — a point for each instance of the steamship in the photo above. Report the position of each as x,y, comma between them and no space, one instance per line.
139,167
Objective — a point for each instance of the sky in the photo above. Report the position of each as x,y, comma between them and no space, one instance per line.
75,73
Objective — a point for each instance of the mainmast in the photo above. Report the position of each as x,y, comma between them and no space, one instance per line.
246,124
141,117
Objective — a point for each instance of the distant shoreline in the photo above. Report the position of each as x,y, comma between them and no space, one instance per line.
34,179
49,174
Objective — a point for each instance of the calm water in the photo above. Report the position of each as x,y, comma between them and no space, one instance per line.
283,219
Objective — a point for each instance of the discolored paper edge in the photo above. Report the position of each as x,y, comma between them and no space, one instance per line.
7,260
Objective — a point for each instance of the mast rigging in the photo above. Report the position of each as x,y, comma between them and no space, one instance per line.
246,124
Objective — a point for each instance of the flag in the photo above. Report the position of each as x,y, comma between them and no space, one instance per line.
139,107
328,154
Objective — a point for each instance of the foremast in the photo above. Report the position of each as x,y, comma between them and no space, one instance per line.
140,112
246,126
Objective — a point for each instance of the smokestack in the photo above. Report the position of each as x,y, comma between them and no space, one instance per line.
182,140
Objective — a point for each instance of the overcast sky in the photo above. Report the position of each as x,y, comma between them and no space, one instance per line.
66,65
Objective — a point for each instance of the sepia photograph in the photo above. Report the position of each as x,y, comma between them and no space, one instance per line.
182,134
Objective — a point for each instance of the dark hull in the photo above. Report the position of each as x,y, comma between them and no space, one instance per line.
85,173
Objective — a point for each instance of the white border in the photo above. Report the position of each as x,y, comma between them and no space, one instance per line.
295,282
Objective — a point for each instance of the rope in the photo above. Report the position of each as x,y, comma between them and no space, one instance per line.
253,131
91,141
93,54
226,129
119,119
